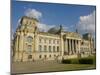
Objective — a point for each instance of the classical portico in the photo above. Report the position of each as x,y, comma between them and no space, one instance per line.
71,43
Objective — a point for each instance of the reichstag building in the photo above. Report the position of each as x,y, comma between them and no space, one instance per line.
31,44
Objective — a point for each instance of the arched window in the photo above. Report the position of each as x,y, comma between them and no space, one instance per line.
29,39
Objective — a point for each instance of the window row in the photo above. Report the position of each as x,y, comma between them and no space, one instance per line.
84,43
48,48
45,56
29,22
86,49
50,41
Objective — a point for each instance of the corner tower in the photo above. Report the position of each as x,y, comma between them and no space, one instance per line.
24,39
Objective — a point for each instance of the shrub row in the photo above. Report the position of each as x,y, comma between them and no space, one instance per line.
86,61
70,61
79,61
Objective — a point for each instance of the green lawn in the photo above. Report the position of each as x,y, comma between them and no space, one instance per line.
30,67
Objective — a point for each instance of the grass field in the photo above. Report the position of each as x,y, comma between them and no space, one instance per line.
30,67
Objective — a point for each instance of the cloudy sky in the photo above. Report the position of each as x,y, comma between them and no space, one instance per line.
50,15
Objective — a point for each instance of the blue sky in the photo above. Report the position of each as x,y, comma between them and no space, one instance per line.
55,14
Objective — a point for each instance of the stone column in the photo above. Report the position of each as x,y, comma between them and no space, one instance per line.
24,47
21,42
69,46
62,45
15,51
66,46
16,44
21,47
72,46
36,40
76,46
79,42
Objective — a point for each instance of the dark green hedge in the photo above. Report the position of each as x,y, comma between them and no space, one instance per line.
74,61
70,61
67,61
88,60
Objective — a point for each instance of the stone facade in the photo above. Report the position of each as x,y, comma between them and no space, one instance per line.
30,44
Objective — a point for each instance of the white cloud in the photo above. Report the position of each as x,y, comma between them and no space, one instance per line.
33,13
65,28
18,23
44,27
87,23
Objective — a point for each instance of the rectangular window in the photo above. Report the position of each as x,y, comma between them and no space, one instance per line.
49,48
53,48
49,41
50,56
45,56
53,41
40,56
45,48
40,40
29,48
44,40
40,48
57,48
30,57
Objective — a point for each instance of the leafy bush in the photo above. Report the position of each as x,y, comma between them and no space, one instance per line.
87,60
66,61
94,59
74,61
70,61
